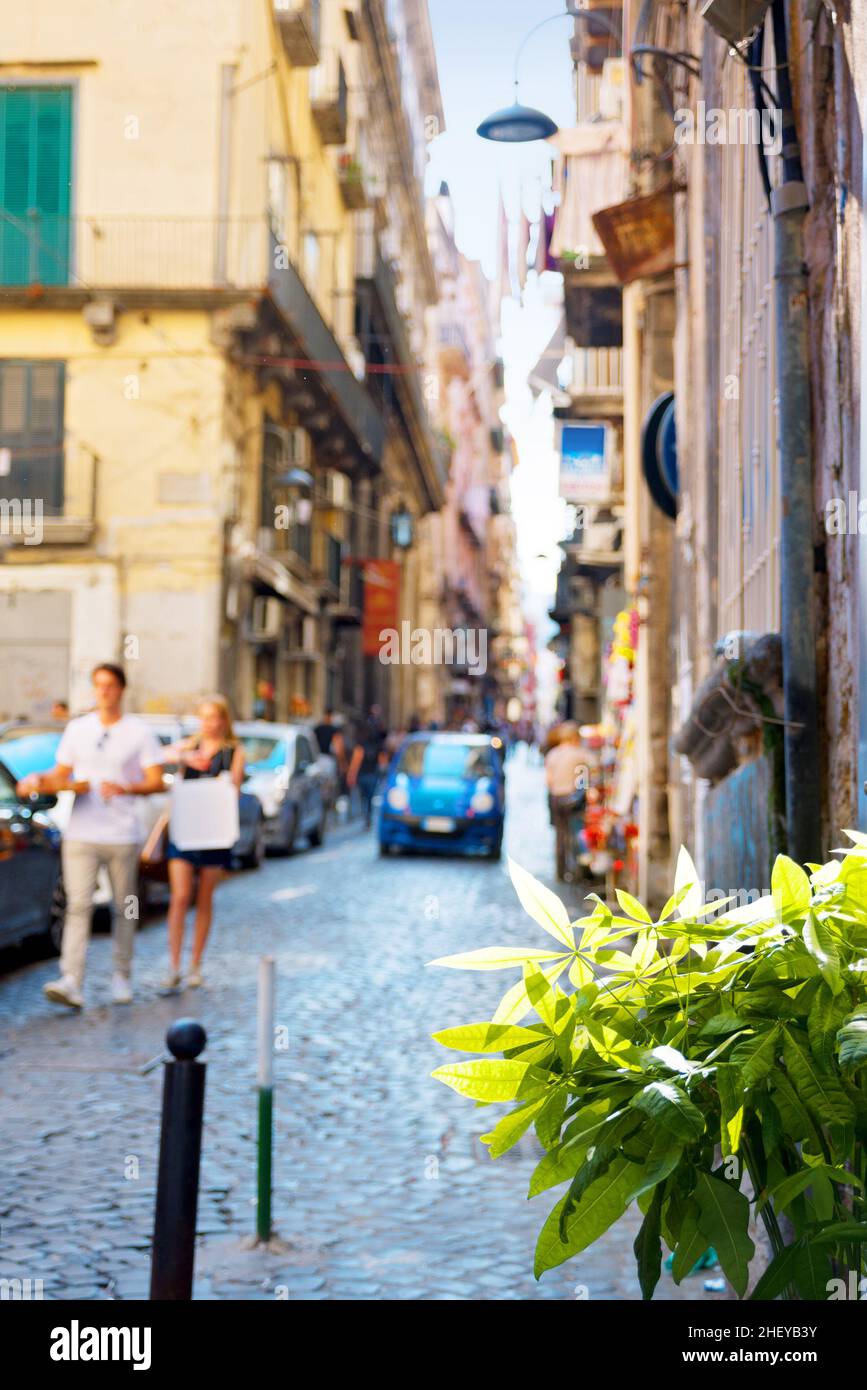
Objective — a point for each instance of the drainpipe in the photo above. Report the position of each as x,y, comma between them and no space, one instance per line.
798,627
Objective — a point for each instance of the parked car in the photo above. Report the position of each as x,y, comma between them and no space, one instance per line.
30,900
27,748
290,778
444,792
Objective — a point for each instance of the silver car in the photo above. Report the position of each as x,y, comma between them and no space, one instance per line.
290,777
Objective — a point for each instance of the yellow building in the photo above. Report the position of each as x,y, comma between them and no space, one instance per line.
191,444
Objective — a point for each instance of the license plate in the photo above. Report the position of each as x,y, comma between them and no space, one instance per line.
438,824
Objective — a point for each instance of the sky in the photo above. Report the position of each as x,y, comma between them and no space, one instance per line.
476,43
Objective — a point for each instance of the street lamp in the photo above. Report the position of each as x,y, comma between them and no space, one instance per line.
402,528
517,124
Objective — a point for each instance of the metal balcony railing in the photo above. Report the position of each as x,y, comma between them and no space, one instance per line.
300,25
597,371
329,98
141,252
190,256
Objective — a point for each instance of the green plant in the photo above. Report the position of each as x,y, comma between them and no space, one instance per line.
690,1053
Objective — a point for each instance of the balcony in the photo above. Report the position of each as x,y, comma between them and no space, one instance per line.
353,184
48,499
195,261
596,384
299,22
329,99
384,326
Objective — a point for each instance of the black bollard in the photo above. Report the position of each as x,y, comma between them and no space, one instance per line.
178,1176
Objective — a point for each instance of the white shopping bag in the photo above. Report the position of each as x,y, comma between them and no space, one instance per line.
204,813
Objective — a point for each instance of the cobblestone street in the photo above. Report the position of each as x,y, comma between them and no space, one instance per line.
381,1187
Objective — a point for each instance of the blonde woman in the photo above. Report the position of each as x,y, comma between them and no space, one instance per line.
210,752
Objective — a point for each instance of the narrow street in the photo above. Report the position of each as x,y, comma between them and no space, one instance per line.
382,1190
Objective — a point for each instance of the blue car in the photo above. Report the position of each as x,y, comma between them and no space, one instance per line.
445,792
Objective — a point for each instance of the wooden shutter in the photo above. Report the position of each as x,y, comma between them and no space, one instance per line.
35,171
31,428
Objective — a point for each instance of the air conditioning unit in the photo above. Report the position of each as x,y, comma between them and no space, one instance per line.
266,621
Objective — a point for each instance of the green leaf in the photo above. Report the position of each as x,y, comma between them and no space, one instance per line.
799,1264
509,1129
726,1021
540,993
487,1037
515,1005
826,1015
600,1206
550,1117
671,1108
493,1080
558,1165
791,886
791,1187
823,948
662,1159
731,1097
724,1215
756,1055
820,1091
543,906
845,1231
648,1247
495,958
691,1245
632,907
686,876
852,1043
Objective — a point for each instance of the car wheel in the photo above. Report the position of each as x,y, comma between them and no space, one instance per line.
57,914
256,856
497,851
317,834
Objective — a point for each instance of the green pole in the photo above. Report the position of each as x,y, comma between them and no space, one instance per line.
263,1205
265,1083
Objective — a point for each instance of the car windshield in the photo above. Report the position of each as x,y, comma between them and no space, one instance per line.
263,754
26,753
436,758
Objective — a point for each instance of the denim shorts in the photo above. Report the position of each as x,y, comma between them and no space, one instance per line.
201,858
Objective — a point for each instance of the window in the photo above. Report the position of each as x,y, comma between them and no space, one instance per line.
35,171
436,758
303,753
31,429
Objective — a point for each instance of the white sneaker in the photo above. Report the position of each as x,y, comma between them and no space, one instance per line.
121,991
64,991
171,982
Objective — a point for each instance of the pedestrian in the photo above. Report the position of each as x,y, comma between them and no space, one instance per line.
60,711
368,758
566,779
213,752
107,758
330,739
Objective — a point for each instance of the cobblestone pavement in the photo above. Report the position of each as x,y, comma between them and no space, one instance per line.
382,1190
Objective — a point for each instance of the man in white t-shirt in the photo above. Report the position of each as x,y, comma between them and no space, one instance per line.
107,758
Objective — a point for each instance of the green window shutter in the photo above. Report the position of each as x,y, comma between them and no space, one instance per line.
31,428
35,171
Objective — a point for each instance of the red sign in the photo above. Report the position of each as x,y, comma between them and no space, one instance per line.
381,603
